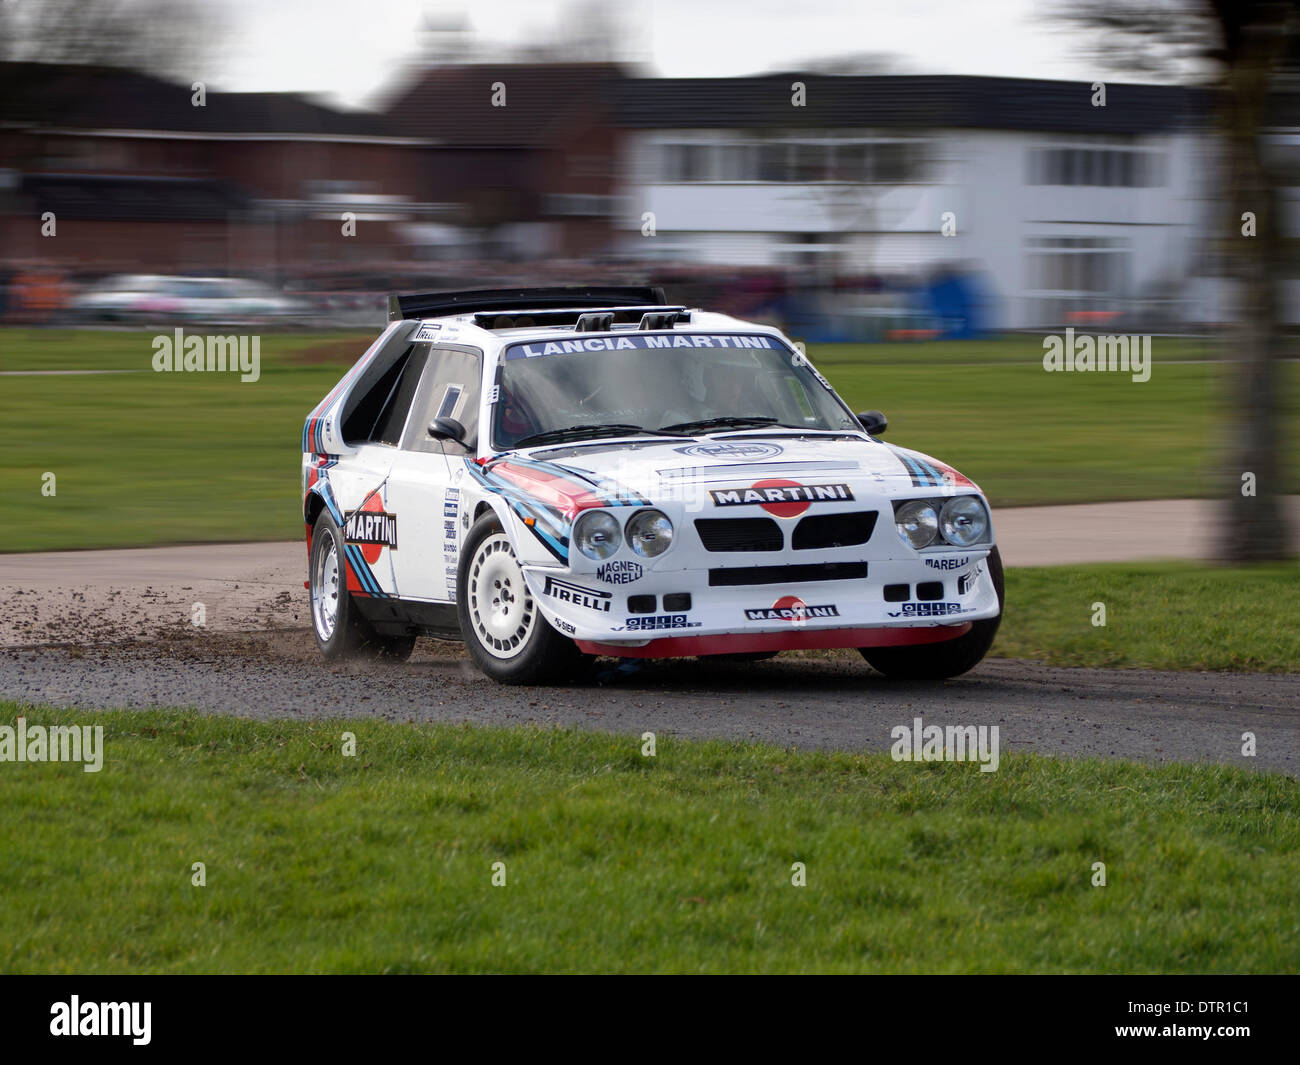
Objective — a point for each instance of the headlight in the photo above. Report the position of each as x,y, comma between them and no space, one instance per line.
649,533
918,523
596,534
964,521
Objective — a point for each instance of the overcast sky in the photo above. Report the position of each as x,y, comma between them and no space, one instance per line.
353,49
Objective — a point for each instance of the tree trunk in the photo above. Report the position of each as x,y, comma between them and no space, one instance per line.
1253,528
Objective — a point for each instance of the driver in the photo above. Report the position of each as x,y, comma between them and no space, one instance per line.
717,390
514,420
730,390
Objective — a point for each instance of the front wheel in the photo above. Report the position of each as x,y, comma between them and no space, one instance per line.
939,661
505,634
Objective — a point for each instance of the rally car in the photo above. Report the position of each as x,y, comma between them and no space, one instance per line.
556,474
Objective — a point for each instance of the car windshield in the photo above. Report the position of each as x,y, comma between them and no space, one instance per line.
683,383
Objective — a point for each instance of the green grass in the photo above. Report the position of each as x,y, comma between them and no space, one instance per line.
151,458
1029,437
132,349
615,862
155,458
1159,615
1025,348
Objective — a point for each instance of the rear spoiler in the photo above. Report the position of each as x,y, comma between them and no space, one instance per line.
441,304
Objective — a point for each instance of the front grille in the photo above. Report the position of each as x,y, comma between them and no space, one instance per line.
834,530
826,571
739,534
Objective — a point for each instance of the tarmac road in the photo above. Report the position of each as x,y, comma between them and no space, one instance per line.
826,702
114,628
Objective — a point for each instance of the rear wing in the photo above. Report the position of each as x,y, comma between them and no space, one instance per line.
477,301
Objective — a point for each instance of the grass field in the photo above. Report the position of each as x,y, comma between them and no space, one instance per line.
615,862
1159,615
148,457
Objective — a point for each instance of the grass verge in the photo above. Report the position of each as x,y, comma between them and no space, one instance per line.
1158,615
617,862
151,458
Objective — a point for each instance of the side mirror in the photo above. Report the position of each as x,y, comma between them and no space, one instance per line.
873,422
447,429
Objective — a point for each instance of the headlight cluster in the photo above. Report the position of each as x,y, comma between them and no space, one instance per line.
961,521
648,533
597,534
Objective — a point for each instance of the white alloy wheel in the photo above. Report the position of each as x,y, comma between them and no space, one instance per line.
501,607
325,590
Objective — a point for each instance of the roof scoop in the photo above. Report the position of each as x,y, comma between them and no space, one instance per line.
595,322
659,319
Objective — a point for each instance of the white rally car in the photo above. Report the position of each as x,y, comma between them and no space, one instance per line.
556,474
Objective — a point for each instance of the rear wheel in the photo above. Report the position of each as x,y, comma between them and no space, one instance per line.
340,630
939,661
505,634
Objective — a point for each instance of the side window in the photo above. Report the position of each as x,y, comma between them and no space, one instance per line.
380,415
449,389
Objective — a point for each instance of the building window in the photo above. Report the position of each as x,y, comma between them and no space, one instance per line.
1095,167
1077,265
896,161
685,162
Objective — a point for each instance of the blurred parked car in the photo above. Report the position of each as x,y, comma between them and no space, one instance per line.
155,297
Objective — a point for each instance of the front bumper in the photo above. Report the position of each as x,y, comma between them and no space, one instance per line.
737,609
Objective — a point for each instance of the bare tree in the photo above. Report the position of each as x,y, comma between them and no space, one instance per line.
1240,47
164,37
589,31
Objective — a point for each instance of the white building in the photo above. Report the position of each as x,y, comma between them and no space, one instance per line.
1058,204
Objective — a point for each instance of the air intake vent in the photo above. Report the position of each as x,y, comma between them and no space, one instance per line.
833,530
739,534
827,571
595,322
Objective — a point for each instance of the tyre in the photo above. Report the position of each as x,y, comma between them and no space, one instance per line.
340,630
939,661
505,634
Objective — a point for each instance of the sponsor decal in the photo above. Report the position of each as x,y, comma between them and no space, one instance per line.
642,341
727,450
372,527
791,608
428,332
948,563
785,499
450,510
591,598
927,610
967,580
564,626
622,571
647,622
449,530
453,493
449,556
